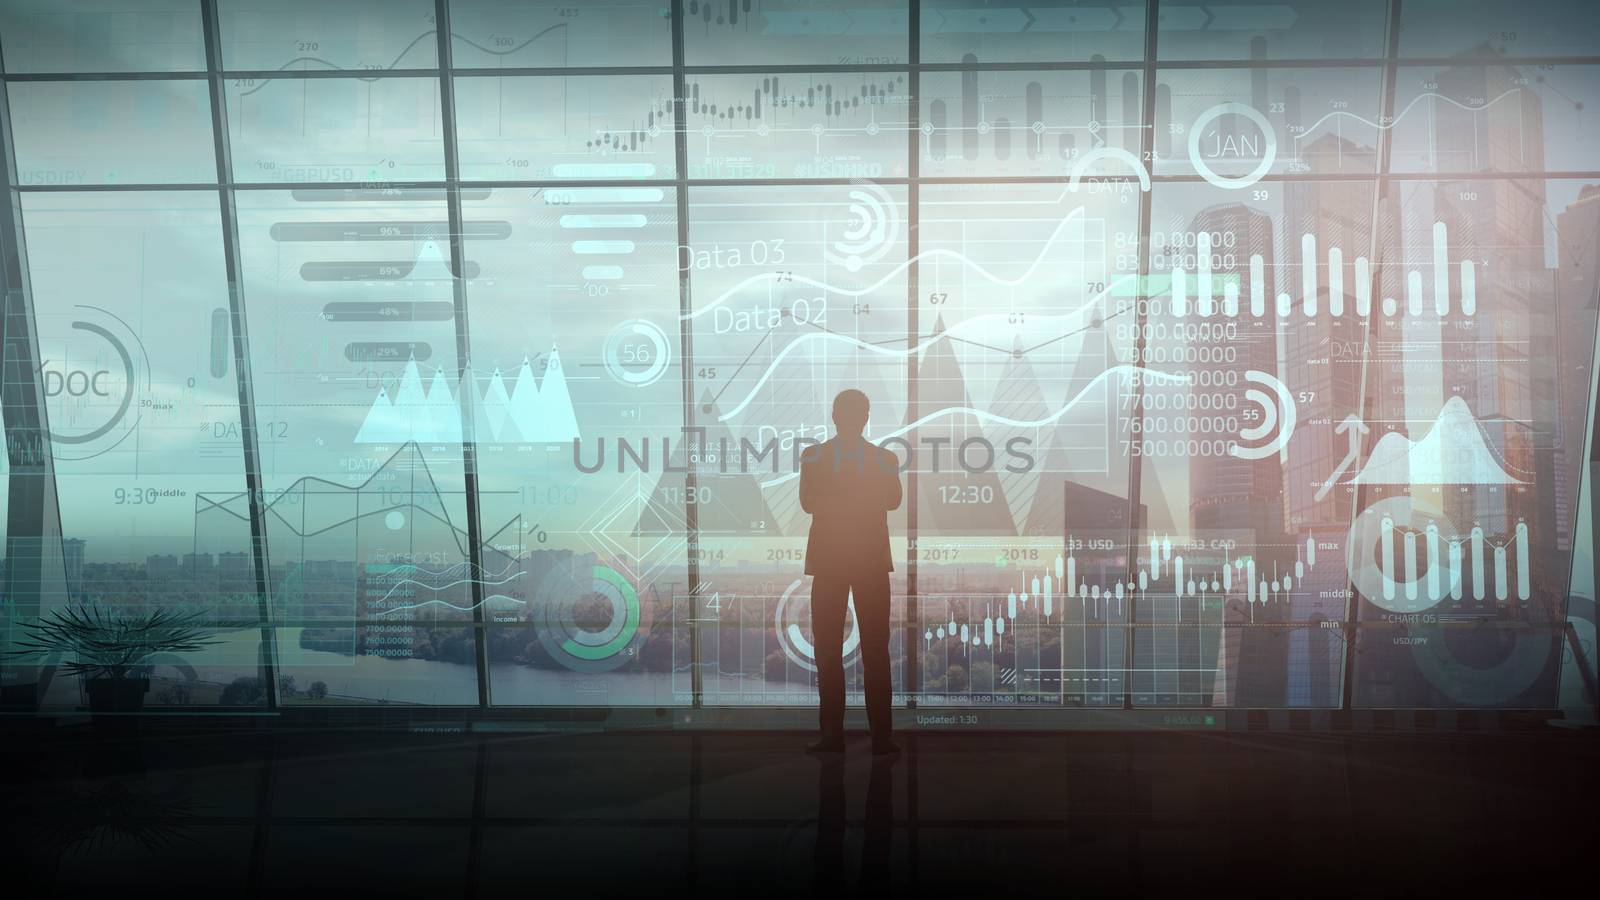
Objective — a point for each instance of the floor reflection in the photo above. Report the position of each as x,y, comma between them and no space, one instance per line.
453,815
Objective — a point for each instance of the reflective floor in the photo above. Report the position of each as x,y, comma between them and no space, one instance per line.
242,812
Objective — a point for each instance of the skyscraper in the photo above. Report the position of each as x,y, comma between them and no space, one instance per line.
1577,305
951,499
1323,354
72,564
1228,492
1324,358
1507,385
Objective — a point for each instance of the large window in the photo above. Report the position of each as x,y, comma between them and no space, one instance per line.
461,353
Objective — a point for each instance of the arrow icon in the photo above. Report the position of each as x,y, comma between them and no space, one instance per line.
1353,426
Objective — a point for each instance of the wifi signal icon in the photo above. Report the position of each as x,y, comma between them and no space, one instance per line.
1278,414
874,228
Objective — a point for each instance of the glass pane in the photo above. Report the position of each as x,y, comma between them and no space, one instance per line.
797,126
799,293
984,124
335,129
5,521
596,127
131,303
40,36
1493,118
1271,29
377,663
1025,311
1232,126
1257,341
112,132
352,344
1016,31
1440,28
834,32
1482,389
1578,671
491,34
259,35
575,350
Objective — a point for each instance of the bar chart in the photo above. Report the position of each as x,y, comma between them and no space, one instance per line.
1197,292
1445,559
1045,593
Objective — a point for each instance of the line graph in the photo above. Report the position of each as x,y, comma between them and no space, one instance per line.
897,271
408,455
1396,119
395,63
989,418
455,606
448,570
921,345
438,587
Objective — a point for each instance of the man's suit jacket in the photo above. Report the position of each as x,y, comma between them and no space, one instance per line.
849,492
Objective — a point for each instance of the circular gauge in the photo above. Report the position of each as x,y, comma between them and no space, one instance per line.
796,645
637,352
589,618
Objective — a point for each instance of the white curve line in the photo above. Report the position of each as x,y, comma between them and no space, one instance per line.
450,570
1269,416
1099,153
452,605
1396,119
405,581
874,348
989,417
1506,467
897,271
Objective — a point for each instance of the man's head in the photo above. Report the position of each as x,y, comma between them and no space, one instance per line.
850,413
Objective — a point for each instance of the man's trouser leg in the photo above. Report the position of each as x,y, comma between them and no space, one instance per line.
872,616
829,595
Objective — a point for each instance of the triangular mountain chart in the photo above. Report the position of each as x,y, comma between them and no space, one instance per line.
863,373
1017,396
527,413
536,413
1076,447
804,396
1452,451
729,503
953,501
492,411
1158,511
413,413
430,264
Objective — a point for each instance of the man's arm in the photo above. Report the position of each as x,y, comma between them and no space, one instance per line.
808,481
889,466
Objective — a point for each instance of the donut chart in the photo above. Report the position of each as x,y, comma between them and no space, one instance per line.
796,646
573,643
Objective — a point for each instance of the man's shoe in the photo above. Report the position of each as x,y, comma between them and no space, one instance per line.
885,748
826,745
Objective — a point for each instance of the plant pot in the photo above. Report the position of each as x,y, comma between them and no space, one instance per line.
116,695
20,696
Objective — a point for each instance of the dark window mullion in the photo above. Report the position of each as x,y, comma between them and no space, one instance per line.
458,288
260,557
691,512
1352,620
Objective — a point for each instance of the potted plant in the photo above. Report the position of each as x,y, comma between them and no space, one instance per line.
111,650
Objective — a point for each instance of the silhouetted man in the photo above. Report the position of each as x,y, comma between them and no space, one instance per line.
848,485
